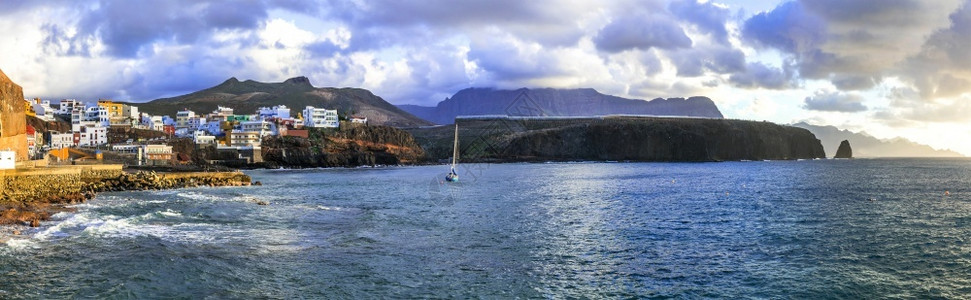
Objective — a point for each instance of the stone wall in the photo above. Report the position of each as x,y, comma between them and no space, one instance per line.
13,121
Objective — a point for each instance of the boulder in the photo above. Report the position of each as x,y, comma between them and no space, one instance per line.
844,151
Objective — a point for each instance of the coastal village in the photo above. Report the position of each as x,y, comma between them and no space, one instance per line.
230,133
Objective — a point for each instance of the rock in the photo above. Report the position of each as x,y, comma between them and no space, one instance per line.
844,151
257,182
262,203
34,223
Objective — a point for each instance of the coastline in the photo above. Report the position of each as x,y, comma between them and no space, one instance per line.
30,196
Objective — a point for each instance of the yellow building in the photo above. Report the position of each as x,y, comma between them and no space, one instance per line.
114,109
29,108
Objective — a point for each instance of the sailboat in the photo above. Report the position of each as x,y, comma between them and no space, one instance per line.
452,175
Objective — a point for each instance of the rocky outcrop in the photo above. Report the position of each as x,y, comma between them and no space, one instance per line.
30,198
557,102
13,121
350,145
844,151
621,139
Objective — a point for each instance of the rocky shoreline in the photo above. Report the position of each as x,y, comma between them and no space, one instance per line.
28,200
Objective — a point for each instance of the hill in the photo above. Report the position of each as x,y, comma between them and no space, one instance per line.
557,102
618,138
296,93
865,145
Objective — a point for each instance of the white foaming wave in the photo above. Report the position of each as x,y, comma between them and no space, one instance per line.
169,213
19,244
65,222
321,207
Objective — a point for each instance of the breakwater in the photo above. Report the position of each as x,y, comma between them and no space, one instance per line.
30,196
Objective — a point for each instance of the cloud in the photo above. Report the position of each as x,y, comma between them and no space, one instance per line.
642,32
759,75
708,17
834,102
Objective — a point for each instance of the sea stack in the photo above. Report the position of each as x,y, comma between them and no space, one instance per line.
844,151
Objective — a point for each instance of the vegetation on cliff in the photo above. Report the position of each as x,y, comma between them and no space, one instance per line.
620,138
350,145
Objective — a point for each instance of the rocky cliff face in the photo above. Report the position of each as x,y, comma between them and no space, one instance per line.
351,145
557,102
13,122
627,138
844,151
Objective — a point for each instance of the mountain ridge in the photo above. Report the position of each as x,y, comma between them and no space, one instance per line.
557,102
247,96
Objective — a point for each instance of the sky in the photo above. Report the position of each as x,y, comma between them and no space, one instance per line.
892,68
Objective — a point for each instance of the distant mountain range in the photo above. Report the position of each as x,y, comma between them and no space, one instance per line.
556,102
865,145
296,93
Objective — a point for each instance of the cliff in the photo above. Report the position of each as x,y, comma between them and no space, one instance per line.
620,138
245,97
349,146
844,151
557,102
13,121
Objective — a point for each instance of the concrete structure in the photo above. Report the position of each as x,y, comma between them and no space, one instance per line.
68,105
61,140
43,110
8,160
200,137
279,111
319,117
358,119
13,120
157,152
244,138
182,118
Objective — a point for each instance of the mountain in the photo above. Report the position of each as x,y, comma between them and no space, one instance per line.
865,145
500,139
556,102
296,93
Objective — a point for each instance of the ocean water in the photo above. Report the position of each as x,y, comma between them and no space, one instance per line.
880,228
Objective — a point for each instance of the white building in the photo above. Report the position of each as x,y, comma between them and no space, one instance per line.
93,136
263,127
244,138
182,118
319,117
61,140
201,137
220,113
43,110
279,112
68,105
152,122
213,127
8,160
358,119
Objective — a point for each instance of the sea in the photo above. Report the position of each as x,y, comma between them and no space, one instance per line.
811,229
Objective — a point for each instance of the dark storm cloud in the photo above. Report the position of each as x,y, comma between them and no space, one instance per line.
708,17
642,32
834,102
758,75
